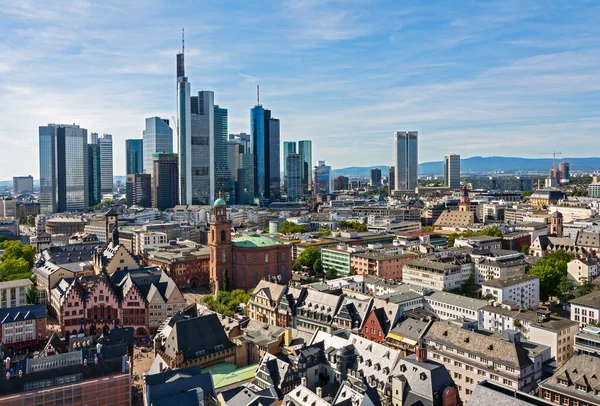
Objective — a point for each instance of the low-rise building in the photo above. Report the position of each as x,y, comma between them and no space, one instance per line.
264,302
186,262
449,306
522,290
433,274
587,341
406,335
584,269
316,311
586,309
23,327
338,258
383,265
185,386
575,383
492,264
12,293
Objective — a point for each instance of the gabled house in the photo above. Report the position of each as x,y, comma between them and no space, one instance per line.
264,301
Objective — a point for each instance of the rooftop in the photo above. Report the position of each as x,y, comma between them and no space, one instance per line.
532,317
456,300
589,300
225,374
253,241
509,280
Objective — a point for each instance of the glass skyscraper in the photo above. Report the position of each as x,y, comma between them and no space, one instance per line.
305,151
452,171
406,160
322,178
106,163
94,175
184,133
289,147
134,160
274,160
63,168
158,137
223,175
265,147
294,165
165,193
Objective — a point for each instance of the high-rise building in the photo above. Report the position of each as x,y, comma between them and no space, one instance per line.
243,139
184,133
265,147
305,151
391,179
22,184
375,179
565,172
406,160
247,179
106,163
234,150
63,168
293,178
158,137
165,185
222,172
94,174
322,179
289,147
139,189
452,171
134,160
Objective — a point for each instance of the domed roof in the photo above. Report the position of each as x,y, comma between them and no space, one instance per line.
219,202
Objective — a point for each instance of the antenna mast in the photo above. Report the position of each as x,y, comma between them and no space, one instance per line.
182,41
258,95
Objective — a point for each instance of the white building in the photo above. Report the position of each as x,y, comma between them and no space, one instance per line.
12,293
106,163
522,290
433,274
586,309
149,238
495,264
448,306
583,269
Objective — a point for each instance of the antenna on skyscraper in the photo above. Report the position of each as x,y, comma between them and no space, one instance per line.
258,95
182,41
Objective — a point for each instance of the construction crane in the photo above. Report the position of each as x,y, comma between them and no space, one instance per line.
553,155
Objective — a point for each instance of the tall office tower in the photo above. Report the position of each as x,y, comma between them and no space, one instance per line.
234,150
134,159
94,174
106,163
452,171
289,147
322,179
165,181
293,177
63,168
200,152
22,184
247,172
406,160
375,180
222,172
341,183
265,147
184,133
158,137
305,151
391,179
139,189
243,139
565,174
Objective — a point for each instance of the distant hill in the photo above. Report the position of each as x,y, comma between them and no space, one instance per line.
478,164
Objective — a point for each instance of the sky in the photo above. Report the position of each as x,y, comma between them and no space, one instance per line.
512,78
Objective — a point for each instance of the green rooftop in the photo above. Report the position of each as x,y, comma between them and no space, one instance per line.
226,374
253,241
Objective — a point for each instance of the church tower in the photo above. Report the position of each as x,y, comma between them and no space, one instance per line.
111,218
465,203
219,241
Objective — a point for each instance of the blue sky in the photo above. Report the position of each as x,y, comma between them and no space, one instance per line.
475,78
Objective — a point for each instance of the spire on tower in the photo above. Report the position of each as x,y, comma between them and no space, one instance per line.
258,95
182,41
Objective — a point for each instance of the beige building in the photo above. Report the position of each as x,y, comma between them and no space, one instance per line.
12,293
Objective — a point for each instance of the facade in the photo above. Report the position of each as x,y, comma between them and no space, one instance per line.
575,383
12,293
433,274
375,177
23,327
8,207
585,269
223,179
406,160
594,190
452,171
391,179
450,306
522,290
587,341
106,163
139,189
337,258
341,183
264,302
134,156
322,181
317,311
293,176
383,265
245,193
94,174
158,138
265,148
165,192
305,151
586,309
63,168
186,262
289,147
22,184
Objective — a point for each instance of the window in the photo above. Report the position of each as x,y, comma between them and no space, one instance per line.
254,259
506,382
266,257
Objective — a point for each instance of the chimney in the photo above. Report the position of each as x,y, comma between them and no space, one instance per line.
303,381
160,366
319,392
287,337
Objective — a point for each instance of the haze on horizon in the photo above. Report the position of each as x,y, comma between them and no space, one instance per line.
511,78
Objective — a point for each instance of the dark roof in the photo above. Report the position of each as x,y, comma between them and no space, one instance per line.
56,343
22,313
381,318
72,253
178,387
191,336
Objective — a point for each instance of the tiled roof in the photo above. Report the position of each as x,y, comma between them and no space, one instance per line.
21,313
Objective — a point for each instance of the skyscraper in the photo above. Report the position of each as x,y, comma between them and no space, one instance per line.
406,160
265,147
94,174
289,147
305,151
22,184
246,177
452,171
222,172
165,185
158,137
63,168
106,163
134,156
391,179
184,133
375,180
322,179
293,181
139,189
243,139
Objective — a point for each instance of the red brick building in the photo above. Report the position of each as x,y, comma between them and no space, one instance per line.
242,262
186,262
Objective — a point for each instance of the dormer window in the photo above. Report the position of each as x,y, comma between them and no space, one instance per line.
563,382
581,387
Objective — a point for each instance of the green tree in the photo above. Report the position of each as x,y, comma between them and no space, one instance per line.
16,250
307,259
332,273
353,225
527,193
225,281
552,270
288,227
585,288
317,267
32,296
13,269
352,271
525,249
104,203
427,228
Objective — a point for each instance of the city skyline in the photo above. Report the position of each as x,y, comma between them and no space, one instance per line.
538,84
